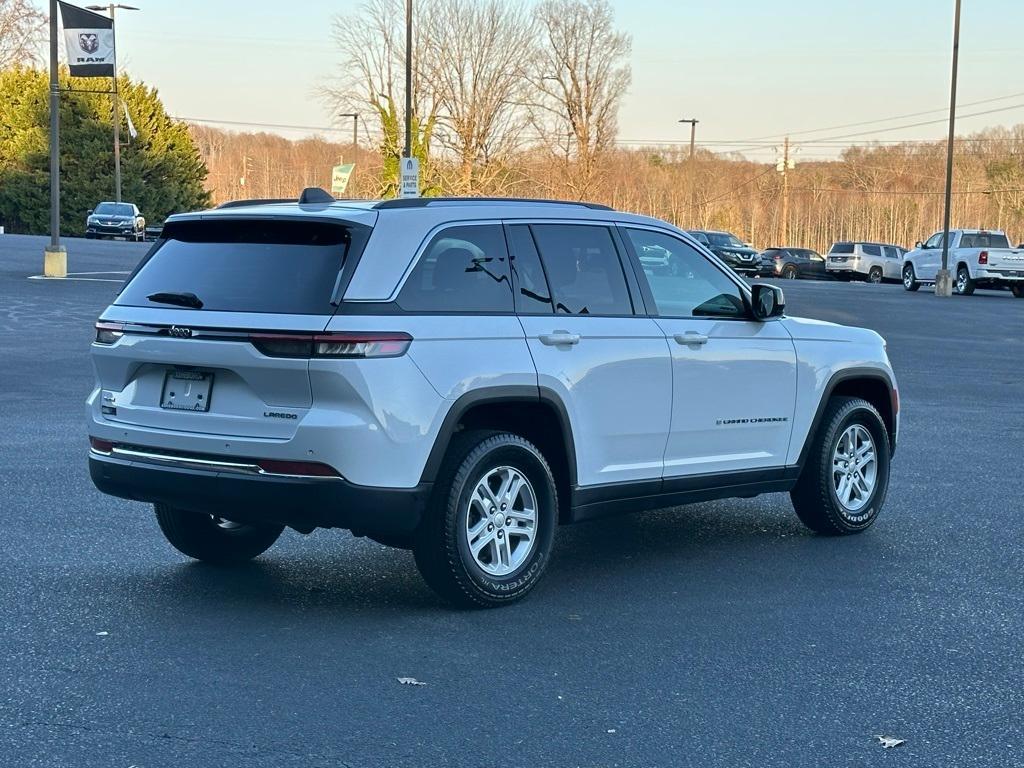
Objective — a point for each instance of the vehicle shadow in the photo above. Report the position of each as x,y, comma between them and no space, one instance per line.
705,548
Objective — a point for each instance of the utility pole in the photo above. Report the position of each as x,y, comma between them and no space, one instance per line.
55,258
784,166
943,280
690,167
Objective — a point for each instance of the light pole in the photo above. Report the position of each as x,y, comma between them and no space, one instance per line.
111,8
355,128
943,280
408,78
693,136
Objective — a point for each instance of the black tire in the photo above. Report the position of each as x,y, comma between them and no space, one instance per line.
1017,290
910,278
815,498
875,275
964,285
442,548
214,540
789,272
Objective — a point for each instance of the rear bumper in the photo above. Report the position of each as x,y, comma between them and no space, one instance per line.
302,503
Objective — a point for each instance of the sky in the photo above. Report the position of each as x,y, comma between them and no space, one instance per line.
746,69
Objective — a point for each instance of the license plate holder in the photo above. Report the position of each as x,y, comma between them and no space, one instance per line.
187,391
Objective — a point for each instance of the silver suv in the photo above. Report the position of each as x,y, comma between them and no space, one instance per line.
459,377
874,262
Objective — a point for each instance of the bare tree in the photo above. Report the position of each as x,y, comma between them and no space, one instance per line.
371,41
22,33
581,73
476,54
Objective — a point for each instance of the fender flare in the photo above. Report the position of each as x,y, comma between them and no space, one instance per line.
514,393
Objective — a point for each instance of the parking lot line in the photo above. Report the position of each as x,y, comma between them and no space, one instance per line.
76,276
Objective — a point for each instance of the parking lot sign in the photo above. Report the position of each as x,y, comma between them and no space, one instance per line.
410,177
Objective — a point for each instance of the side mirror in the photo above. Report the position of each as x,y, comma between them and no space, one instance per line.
919,244
767,301
89,212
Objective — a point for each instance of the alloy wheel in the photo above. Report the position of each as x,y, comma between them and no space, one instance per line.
854,467
501,522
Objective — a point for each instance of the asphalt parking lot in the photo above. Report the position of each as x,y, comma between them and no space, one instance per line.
721,634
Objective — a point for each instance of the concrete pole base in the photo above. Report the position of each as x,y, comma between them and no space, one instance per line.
55,261
943,283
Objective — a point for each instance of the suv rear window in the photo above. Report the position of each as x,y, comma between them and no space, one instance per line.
247,265
842,248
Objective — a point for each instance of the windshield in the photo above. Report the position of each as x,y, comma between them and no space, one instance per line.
114,209
724,239
254,265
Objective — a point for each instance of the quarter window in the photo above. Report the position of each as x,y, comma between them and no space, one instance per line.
463,269
686,284
583,269
872,250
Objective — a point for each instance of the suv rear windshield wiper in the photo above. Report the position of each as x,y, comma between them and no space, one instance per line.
181,299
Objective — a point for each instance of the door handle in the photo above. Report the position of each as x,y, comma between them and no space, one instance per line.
690,337
559,338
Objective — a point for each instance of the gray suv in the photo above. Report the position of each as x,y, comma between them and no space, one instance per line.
459,377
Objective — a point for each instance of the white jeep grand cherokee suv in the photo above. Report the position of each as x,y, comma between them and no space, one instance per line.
462,376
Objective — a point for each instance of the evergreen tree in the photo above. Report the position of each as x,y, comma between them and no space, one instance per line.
161,169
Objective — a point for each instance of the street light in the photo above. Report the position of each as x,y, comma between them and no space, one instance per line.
408,78
355,127
943,280
111,8
693,135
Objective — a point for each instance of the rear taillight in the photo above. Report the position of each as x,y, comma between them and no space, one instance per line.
346,345
300,468
109,333
983,257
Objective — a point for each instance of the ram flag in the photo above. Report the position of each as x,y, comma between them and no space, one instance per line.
90,42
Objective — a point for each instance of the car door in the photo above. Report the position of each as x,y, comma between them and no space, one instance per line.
815,265
607,363
929,258
734,379
891,268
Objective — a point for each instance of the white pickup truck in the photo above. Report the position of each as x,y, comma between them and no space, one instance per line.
978,258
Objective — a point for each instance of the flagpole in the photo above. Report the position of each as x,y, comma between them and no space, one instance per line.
55,258
117,114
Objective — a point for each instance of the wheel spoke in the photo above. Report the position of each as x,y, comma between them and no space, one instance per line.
477,546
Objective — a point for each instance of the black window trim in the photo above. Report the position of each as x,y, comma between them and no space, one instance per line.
645,287
512,256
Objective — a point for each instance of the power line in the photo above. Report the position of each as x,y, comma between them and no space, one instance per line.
884,119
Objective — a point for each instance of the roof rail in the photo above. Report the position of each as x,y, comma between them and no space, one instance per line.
241,203
423,202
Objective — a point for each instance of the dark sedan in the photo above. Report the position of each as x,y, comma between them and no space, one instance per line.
730,249
116,220
791,263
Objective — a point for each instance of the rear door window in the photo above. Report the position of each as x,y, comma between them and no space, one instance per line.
463,269
892,252
583,269
533,296
250,265
872,250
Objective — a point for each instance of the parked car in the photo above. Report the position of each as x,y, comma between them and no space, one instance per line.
791,263
380,367
116,220
874,262
978,258
730,249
